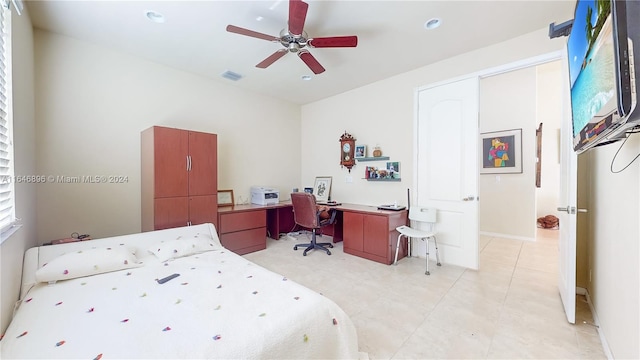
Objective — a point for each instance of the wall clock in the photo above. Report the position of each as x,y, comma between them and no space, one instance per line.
347,149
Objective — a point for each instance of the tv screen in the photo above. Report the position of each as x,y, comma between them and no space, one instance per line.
599,94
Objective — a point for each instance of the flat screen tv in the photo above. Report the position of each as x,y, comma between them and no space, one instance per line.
600,72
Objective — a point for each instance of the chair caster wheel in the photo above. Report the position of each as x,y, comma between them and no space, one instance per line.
427,273
439,264
295,248
304,254
328,252
331,246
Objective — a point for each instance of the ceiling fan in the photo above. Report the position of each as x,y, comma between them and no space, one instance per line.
295,39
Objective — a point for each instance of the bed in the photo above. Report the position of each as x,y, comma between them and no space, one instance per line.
102,299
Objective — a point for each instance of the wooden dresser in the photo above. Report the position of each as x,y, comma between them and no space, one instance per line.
243,228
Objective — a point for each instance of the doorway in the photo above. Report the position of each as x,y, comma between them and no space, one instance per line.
521,99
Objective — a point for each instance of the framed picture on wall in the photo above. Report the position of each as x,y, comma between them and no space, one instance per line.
501,152
361,151
322,188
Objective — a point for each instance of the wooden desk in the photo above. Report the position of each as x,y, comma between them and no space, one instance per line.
366,231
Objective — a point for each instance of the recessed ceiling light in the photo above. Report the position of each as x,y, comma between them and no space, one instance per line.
259,18
154,16
306,77
432,24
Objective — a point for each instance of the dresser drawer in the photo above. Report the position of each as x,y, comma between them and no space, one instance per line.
244,220
246,241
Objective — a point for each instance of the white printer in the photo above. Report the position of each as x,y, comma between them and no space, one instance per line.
262,195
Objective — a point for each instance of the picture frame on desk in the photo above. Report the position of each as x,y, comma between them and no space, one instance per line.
322,188
225,198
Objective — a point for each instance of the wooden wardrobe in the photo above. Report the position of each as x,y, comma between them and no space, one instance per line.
179,177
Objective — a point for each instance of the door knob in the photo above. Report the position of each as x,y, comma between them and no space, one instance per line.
571,209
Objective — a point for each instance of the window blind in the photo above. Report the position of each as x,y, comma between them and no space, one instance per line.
7,202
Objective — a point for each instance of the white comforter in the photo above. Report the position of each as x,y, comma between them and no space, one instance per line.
221,306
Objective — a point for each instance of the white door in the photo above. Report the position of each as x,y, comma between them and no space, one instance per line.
447,167
567,211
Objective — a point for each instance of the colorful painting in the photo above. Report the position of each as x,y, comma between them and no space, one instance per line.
501,152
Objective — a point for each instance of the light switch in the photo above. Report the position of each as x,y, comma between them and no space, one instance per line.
497,178
348,179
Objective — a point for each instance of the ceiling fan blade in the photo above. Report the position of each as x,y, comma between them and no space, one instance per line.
247,32
311,62
334,41
272,58
297,16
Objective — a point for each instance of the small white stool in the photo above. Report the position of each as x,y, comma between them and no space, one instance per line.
420,215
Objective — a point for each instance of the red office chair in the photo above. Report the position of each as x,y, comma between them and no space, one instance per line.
306,214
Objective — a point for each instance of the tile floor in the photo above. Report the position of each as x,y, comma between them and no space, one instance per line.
508,309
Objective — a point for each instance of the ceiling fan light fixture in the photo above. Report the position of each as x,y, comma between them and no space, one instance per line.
294,39
306,77
154,16
294,47
432,24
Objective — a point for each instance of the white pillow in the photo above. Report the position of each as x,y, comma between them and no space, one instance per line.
86,263
172,249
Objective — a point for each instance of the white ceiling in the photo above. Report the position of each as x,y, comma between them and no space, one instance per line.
391,36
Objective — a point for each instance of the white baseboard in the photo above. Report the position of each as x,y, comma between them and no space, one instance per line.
507,236
596,321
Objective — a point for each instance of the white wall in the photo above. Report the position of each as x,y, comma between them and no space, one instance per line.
92,104
383,113
614,249
11,250
507,206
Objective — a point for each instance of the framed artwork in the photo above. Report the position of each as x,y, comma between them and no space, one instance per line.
225,198
361,151
538,155
322,188
501,152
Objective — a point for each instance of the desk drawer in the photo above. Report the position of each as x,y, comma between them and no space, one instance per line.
244,242
244,220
